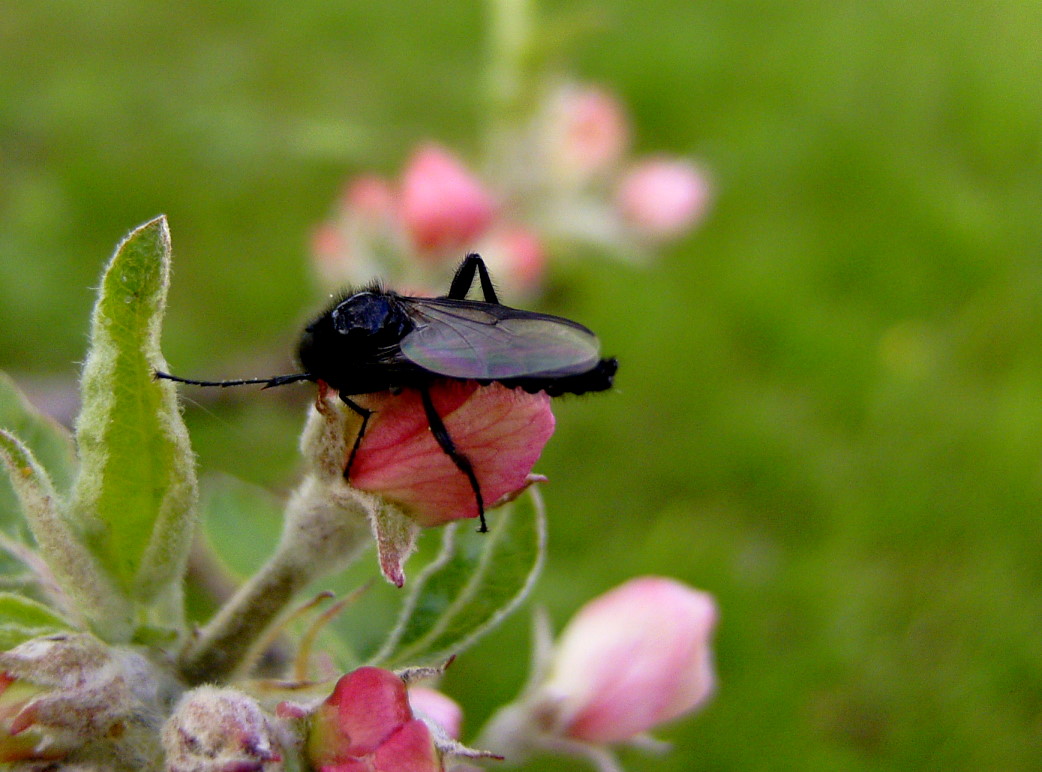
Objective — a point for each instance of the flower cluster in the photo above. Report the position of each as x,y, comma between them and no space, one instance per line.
562,177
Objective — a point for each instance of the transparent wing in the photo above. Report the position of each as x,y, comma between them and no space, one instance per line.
471,339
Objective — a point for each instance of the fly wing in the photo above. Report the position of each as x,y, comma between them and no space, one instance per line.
471,339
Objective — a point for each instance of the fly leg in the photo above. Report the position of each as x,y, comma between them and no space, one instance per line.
441,434
464,279
365,414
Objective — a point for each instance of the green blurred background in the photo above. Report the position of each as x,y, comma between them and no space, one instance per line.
829,412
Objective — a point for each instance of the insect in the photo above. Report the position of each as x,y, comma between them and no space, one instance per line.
377,340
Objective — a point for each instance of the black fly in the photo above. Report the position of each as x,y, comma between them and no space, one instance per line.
377,340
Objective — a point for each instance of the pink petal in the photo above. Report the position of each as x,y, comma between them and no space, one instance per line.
663,197
593,126
634,658
371,704
439,708
370,197
410,749
443,206
502,431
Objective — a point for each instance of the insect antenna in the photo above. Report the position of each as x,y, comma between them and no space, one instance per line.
276,380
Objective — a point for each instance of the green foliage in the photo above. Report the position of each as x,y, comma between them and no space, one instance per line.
135,494
60,547
22,619
50,442
471,586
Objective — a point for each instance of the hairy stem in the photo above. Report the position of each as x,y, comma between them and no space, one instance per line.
326,527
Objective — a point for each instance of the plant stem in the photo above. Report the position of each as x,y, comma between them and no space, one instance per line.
325,529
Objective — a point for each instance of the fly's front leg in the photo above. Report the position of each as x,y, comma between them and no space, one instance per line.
464,279
365,413
441,434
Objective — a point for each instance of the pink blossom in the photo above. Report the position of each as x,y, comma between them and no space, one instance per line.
443,206
592,127
439,708
631,659
515,254
663,197
366,725
502,431
371,198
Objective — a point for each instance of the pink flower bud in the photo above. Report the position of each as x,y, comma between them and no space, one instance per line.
502,431
220,730
367,725
443,206
516,255
591,128
633,658
430,704
370,198
663,197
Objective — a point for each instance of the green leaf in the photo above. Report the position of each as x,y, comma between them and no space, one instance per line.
82,587
49,442
22,619
471,587
136,490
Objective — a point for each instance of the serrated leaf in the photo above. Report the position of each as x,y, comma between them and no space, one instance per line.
22,619
136,490
473,585
49,442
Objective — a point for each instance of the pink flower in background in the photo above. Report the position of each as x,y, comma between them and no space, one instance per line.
662,197
590,128
631,659
443,206
430,704
516,255
367,725
502,431
560,178
370,198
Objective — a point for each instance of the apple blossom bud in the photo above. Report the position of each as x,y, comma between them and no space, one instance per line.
367,724
370,198
502,431
515,254
632,659
589,130
220,730
433,706
662,197
443,206
70,696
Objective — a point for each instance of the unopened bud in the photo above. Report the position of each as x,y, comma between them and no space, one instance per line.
221,730
72,697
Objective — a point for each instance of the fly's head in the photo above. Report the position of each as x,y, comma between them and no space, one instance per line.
356,332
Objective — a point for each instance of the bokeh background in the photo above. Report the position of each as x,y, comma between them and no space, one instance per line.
829,412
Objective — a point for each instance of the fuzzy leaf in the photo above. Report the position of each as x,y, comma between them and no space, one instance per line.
50,442
136,491
474,584
22,619
75,571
